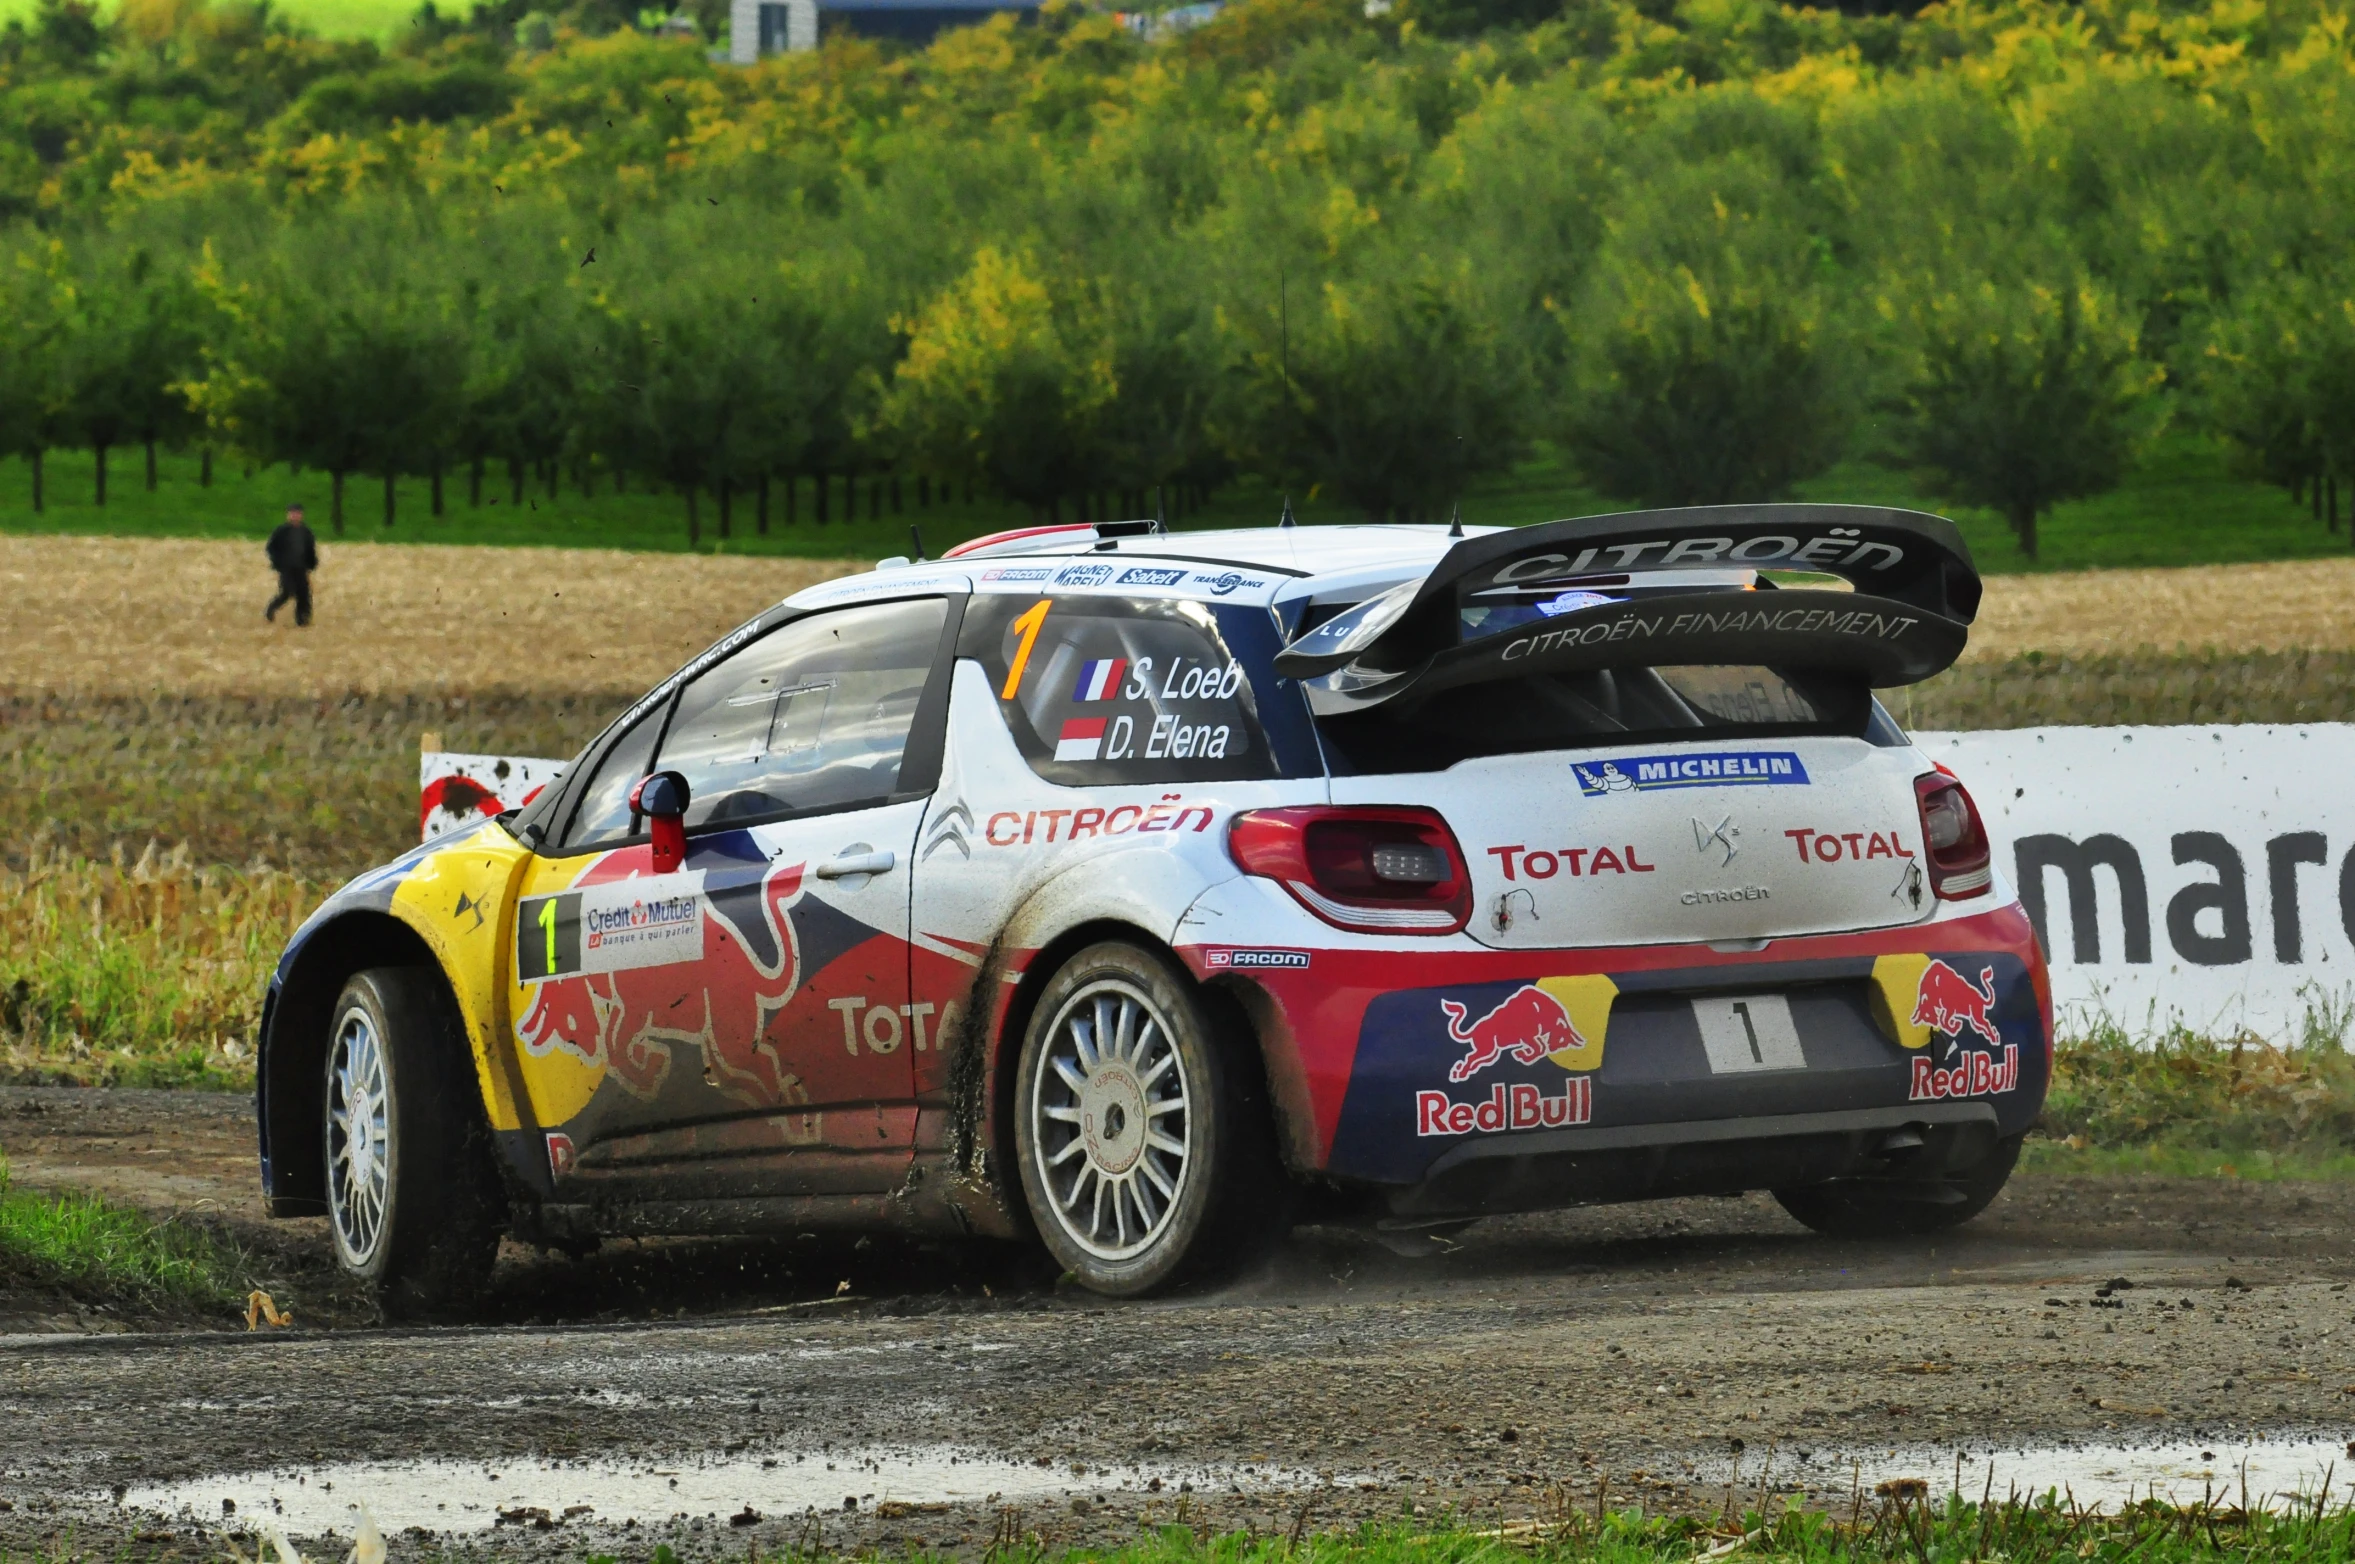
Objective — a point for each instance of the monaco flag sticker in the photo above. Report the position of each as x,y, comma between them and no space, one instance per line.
1082,739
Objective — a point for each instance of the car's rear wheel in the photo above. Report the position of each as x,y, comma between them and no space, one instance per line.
413,1196
1142,1130
1903,1208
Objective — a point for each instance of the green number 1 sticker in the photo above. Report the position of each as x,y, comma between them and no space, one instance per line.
548,925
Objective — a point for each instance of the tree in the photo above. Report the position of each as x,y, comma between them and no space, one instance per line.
1705,366
33,286
128,337
343,352
2274,378
1008,379
2020,397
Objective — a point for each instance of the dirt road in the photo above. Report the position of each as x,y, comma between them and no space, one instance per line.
1630,1345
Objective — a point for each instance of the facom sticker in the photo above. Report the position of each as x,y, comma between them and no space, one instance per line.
1659,773
1017,573
1219,958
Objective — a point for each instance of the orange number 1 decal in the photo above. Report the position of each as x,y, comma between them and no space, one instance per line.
1029,625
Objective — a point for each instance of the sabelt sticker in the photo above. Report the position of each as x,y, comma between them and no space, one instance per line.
1142,576
1659,773
619,926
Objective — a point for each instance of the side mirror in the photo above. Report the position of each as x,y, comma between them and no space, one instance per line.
662,799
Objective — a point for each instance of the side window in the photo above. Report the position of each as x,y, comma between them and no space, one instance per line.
604,812
812,717
1108,691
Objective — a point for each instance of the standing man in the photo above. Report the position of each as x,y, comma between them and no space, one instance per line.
294,554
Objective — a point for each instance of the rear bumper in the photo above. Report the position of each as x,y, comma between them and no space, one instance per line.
1553,1168
1432,1071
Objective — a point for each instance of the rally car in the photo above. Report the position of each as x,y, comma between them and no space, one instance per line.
1143,893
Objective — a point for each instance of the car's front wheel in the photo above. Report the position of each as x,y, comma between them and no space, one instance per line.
413,1197
1143,1135
1894,1208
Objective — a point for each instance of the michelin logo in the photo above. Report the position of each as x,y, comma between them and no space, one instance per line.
1659,773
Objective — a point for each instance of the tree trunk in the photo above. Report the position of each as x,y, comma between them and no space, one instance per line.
437,488
2314,495
37,504
792,484
874,499
335,501
100,452
2330,489
620,483
515,479
818,481
895,505
474,484
727,508
694,520
555,482
923,492
204,469
1055,511
760,515
388,499
151,466
2023,520
968,491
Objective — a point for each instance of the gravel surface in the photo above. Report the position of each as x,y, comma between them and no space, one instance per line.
1541,1358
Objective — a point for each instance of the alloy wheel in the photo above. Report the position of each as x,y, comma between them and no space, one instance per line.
359,1138
1111,1120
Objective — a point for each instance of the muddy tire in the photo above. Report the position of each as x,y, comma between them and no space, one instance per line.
1890,1208
414,1205
1142,1130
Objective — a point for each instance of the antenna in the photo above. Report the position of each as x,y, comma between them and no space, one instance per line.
916,539
1455,523
1286,519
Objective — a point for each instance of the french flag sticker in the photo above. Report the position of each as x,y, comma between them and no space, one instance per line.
1100,680
1082,739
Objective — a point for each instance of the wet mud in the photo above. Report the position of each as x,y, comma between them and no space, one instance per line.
1643,1352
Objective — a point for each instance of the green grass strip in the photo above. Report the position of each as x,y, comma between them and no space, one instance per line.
106,1253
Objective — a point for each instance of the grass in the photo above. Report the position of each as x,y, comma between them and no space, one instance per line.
2201,1107
2182,506
106,1254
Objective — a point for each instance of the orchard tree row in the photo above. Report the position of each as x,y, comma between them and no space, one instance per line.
1358,260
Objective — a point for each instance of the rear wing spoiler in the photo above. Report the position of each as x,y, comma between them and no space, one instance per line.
1915,594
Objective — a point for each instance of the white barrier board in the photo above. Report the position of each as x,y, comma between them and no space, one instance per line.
2197,874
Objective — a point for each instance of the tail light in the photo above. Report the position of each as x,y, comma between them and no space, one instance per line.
1954,839
1375,870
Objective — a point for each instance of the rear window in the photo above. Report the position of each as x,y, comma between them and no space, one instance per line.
1109,691
1597,709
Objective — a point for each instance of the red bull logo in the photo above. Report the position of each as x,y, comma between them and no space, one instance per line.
1521,1107
1947,1002
1973,1075
1530,1024
631,1022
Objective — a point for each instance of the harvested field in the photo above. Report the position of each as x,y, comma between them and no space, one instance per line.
2289,605
135,616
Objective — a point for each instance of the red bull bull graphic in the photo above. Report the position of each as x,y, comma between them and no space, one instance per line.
709,985
1516,1107
1529,1025
1947,1002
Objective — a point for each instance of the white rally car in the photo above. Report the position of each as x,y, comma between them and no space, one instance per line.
1144,893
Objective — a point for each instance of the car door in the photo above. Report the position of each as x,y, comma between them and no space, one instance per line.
773,1057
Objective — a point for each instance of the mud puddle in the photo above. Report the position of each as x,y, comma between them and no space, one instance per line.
2270,1474
443,1496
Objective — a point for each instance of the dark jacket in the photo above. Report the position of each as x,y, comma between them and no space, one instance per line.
292,549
